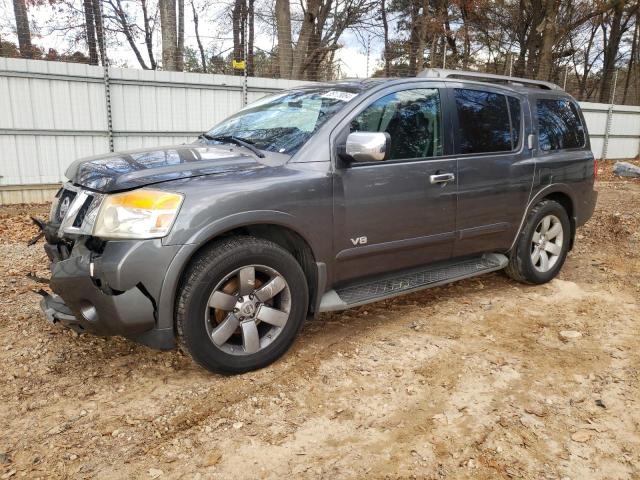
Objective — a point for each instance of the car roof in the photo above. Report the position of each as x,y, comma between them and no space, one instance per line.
522,86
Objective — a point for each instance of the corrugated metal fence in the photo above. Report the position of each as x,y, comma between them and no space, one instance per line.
52,113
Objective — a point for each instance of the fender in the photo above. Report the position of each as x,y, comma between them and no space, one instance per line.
202,237
543,192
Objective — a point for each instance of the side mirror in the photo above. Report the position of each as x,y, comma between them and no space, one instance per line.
367,146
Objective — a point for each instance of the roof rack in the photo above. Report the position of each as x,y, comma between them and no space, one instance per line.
486,77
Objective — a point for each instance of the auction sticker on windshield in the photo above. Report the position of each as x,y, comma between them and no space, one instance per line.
339,95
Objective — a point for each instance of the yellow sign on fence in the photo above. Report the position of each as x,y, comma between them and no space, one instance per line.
238,64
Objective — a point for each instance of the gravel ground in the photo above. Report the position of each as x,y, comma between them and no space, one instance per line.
485,378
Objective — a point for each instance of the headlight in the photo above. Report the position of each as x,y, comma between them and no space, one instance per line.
137,214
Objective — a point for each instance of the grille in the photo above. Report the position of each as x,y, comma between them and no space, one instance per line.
65,201
82,213
75,210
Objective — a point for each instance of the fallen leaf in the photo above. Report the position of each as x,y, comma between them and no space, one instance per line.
581,436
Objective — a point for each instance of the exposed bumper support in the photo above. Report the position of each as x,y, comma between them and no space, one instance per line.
114,292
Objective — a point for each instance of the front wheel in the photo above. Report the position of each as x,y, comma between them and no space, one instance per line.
241,305
542,245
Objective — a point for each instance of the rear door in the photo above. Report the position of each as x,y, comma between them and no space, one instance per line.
388,215
495,167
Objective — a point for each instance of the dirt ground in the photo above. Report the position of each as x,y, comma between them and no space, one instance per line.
484,378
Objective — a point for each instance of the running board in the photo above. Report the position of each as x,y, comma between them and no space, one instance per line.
409,281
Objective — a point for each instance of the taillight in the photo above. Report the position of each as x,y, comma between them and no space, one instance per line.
595,168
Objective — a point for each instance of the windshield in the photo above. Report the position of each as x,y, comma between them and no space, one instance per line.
284,122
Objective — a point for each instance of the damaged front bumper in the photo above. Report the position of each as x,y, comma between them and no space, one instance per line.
110,290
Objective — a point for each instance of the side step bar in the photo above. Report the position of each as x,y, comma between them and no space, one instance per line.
409,281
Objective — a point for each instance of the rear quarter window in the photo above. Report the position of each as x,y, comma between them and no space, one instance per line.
559,125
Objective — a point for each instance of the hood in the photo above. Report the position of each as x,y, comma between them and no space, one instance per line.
137,168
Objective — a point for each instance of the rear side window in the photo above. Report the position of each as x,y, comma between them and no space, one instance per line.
484,121
559,125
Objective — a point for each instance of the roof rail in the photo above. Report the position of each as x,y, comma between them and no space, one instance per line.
486,77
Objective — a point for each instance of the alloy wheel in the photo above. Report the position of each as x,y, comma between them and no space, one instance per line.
546,243
248,309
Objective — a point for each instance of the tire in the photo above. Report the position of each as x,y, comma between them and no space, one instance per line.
213,281
521,266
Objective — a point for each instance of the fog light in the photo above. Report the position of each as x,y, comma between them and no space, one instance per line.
88,311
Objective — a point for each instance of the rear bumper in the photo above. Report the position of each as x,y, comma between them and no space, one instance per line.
114,292
588,206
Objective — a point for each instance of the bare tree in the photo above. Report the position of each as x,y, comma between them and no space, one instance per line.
385,29
585,58
238,17
180,48
22,28
127,27
196,21
285,44
90,32
632,60
250,37
168,30
617,23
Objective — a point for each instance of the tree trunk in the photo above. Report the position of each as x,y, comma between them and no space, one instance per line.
250,39
169,35
22,28
306,31
90,32
545,60
97,15
611,52
582,87
466,48
126,29
180,49
285,46
632,57
385,27
148,34
238,44
414,38
203,57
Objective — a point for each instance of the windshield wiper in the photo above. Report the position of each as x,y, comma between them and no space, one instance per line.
231,139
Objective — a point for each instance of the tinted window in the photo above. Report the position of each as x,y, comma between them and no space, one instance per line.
412,118
516,116
559,125
483,118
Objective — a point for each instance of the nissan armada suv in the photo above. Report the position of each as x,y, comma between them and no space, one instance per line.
318,199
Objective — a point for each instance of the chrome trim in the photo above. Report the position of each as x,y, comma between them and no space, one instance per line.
72,213
86,228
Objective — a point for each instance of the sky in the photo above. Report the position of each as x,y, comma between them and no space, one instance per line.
352,56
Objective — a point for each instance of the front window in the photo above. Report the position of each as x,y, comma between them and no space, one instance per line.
283,122
413,120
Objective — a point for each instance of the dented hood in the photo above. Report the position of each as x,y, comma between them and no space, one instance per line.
137,168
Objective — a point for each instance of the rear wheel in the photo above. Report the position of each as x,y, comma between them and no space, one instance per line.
241,304
542,246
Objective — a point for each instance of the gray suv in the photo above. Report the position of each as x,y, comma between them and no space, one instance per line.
318,199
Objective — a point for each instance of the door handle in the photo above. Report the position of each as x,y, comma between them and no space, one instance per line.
442,178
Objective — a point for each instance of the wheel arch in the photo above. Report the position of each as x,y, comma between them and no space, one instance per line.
560,193
281,234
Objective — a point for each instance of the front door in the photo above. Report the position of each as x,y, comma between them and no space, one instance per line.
400,212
